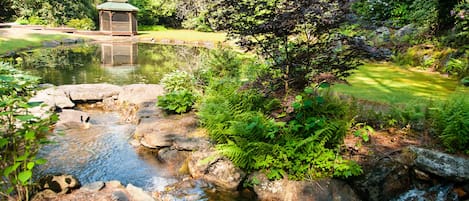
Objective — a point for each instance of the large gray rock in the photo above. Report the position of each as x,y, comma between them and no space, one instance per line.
383,180
441,164
405,30
140,93
319,190
91,92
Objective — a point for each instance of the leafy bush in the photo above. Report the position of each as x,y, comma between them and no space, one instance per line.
82,24
304,148
458,67
177,101
21,134
177,80
451,121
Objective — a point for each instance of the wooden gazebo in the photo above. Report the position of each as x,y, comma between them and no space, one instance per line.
117,17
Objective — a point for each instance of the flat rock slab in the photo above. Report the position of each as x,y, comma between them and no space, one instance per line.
140,93
441,164
91,92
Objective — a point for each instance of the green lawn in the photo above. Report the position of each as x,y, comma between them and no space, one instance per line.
184,35
387,82
28,41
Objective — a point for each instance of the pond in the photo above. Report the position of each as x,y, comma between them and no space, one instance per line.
114,63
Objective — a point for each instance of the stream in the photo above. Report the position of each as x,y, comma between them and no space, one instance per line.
103,153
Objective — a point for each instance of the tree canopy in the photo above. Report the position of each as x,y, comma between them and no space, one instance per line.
296,37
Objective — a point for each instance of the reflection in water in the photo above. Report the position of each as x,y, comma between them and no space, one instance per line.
117,63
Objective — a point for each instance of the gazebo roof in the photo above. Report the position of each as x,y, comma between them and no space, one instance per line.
117,5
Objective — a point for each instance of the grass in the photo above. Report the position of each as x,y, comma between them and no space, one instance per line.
32,40
184,35
386,82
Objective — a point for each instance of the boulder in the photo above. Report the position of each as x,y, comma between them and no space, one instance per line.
200,161
405,30
319,190
383,180
91,92
444,165
383,34
53,97
140,93
211,167
224,174
138,194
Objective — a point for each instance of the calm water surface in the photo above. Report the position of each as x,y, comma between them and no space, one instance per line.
115,63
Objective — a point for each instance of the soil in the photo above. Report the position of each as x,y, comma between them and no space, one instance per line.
387,143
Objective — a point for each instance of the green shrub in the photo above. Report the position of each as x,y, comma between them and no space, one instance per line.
177,81
451,122
457,67
304,148
21,134
35,20
22,21
82,24
177,101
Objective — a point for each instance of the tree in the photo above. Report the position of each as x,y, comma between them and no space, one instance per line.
6,12
295,36
55,12
154,11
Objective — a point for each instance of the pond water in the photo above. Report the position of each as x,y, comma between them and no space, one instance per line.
114,63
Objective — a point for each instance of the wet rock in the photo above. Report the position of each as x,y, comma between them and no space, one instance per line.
140,93
137,194
69,119
383,181
183,190
172,157
438,192
444,165
119,196
91,92
320,190
51,186
95,186
154,140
